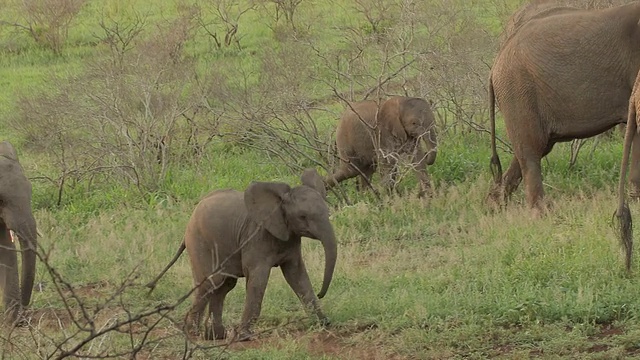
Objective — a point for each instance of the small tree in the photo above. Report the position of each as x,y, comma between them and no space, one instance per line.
48,21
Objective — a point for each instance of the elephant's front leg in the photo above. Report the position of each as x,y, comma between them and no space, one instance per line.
257,279
297,277
9,283
420,167
389,172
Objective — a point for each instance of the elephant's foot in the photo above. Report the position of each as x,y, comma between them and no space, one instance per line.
324,321
215,332
14,315
191,328
634,192
425,191
497,198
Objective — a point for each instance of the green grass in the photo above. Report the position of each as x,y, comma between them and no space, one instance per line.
435,278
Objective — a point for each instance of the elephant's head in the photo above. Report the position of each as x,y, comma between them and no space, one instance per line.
287,213
16,215
408,118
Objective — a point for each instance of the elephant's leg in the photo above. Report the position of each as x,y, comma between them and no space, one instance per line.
532,173
344,172
500,194
214,329
297,277
9,282
511,179
365,178
389,174
256,285
420,167
200,300
634,172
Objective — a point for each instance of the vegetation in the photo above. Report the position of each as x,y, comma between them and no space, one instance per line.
126,113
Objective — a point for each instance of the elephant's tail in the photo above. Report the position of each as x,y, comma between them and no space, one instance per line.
496,167
623,214
152,284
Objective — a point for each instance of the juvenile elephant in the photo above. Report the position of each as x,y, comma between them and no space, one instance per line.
368,131
15,216
232,234
562,74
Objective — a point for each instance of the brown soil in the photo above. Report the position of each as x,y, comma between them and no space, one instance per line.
323,343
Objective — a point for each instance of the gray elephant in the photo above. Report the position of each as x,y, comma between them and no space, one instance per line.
16,217
562,74
396,126
232,234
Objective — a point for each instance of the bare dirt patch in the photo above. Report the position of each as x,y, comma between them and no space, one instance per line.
339,345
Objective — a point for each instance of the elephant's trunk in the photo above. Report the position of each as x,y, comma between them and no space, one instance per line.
431,141
328,239
28,238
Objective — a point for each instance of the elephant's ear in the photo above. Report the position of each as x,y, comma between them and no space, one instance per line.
389,118
7,150
264,205
312,179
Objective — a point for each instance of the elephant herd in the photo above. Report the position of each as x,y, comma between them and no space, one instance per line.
561,73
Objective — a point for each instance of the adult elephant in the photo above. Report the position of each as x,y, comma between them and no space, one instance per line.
368,132
16,217
234,234
563,74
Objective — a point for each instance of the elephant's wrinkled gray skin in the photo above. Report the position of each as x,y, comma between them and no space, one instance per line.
396,126
562,75
225,233
15,215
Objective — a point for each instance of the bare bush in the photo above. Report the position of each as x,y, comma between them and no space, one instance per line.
270,108
123,116
378,13
48,21
278,10
225,14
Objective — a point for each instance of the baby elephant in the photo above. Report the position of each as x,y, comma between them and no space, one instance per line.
368,131
232,234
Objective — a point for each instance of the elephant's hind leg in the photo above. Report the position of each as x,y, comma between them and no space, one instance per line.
9,282
297,277
364,180
345,171
420,167
501,193
199,303
214,329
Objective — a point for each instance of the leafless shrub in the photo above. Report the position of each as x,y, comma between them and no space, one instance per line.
120,34
269,108
48,21
127,116
225,14
281,10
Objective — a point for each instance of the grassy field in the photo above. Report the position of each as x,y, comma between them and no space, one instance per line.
435,278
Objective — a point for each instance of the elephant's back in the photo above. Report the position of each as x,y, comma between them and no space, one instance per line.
216,214
569,68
